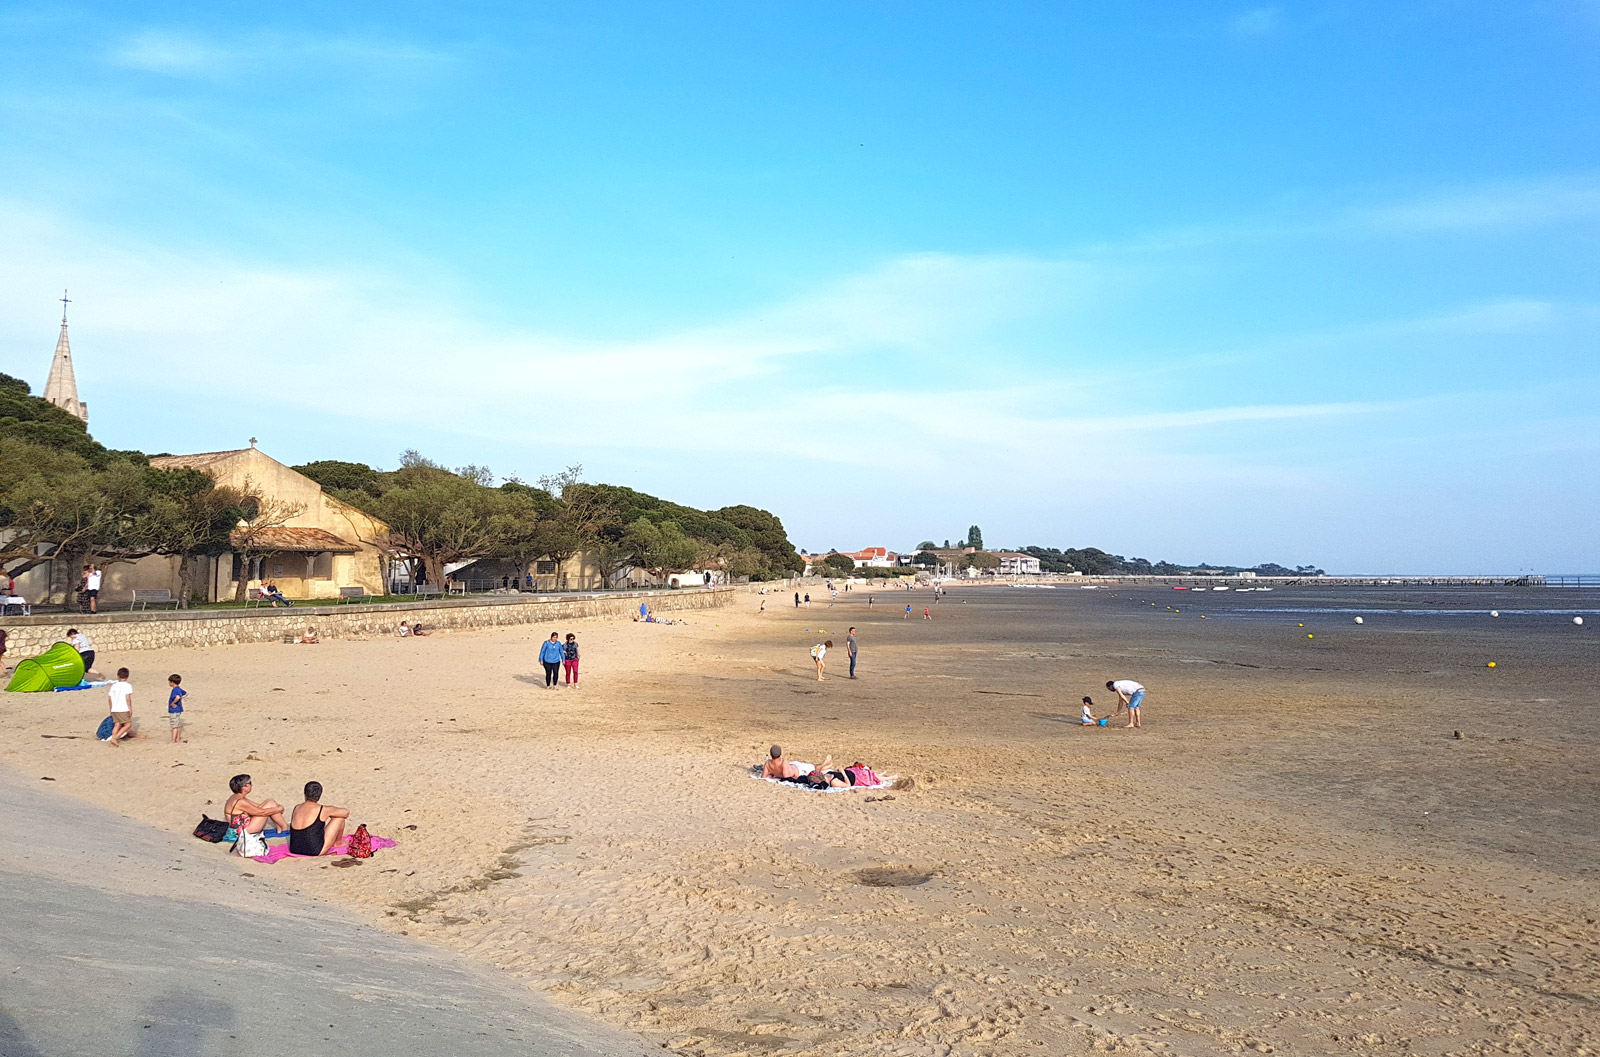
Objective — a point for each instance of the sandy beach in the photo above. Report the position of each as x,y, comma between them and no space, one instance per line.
1296,855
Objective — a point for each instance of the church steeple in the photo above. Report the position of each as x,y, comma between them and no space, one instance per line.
61,389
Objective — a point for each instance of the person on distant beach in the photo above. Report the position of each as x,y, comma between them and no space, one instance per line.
120,696
850,648
80,642
797,599
1132,694
569,659
175,707
808,599
869,601
908,612
310,637
763,607
404,630
244,814
419,632
551,655
927,614
314,828
3,664
819,653
1089,718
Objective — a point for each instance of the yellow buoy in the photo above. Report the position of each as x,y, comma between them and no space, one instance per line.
1309,635
1491,664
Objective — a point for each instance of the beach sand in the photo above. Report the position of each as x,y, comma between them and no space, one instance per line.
1295,855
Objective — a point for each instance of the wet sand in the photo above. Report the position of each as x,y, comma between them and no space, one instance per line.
1295,855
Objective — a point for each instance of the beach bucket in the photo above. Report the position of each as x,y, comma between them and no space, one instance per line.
60,665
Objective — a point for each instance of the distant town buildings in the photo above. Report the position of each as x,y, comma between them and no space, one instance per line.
1015,564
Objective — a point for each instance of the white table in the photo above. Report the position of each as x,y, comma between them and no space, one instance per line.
8,601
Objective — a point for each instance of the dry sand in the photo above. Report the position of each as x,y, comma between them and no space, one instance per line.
1295,855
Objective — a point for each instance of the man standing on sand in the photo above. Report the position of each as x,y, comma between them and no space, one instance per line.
850,648
1132,694
797,599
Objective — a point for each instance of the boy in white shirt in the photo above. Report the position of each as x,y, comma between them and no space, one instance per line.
120,694
1089,718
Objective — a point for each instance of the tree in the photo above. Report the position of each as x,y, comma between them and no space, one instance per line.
611,556
927,545
439,517
983,560
250,536
190,517
975,537
660,549
927,559
841,563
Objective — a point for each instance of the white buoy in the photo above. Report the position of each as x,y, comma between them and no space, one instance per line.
1360,621
1494,613
1577,620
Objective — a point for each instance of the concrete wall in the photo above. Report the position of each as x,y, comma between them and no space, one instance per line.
120,632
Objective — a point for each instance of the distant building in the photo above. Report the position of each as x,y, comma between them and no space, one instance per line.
1015,564
61,388
874,558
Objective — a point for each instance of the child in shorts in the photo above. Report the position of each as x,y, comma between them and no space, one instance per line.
175,707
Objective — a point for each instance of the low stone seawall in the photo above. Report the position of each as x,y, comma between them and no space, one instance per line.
149,630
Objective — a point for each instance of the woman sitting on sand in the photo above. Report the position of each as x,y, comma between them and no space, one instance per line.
313,827
244,814
310,637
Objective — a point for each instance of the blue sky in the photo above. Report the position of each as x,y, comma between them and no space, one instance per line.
1227,282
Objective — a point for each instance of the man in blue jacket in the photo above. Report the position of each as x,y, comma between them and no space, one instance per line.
550,655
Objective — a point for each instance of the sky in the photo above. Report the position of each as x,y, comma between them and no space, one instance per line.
1312,283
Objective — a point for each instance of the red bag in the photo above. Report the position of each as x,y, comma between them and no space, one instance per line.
361,843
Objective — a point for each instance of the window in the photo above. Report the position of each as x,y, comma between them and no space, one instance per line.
544,568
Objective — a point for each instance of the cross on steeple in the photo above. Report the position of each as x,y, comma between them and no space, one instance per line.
64,304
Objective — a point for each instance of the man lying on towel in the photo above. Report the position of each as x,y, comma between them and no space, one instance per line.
825,777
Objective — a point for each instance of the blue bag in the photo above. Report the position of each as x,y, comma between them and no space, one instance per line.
107,725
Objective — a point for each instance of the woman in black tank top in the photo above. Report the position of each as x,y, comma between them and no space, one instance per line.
326,828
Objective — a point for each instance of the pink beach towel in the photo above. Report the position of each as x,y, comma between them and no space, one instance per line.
279,852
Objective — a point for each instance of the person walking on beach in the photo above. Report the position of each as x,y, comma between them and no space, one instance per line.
797,599
850,648
569,659
808,599
763,607
819,653
908,612
927,614
551,655
1130,693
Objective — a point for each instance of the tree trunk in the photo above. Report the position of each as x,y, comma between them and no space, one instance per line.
241,591
435,569
185,582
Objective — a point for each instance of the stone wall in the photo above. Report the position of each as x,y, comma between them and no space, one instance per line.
152,629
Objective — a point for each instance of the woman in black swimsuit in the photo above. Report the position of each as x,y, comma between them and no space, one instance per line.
313,827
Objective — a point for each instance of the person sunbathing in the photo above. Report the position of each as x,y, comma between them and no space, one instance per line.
778,767
314,828
310,637
247,816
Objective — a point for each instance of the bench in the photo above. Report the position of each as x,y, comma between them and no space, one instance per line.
425,589
353,594
252,597
143,599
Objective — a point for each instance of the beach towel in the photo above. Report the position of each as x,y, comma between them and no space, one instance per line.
884,781
279,852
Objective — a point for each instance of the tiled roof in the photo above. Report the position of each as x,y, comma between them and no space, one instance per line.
304,540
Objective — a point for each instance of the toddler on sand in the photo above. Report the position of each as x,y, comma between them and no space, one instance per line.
175,707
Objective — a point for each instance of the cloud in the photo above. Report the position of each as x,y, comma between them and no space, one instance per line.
1257,22
1500,206
177,54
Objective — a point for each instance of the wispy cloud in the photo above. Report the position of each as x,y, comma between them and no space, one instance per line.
180,54
1515,205
1257,22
